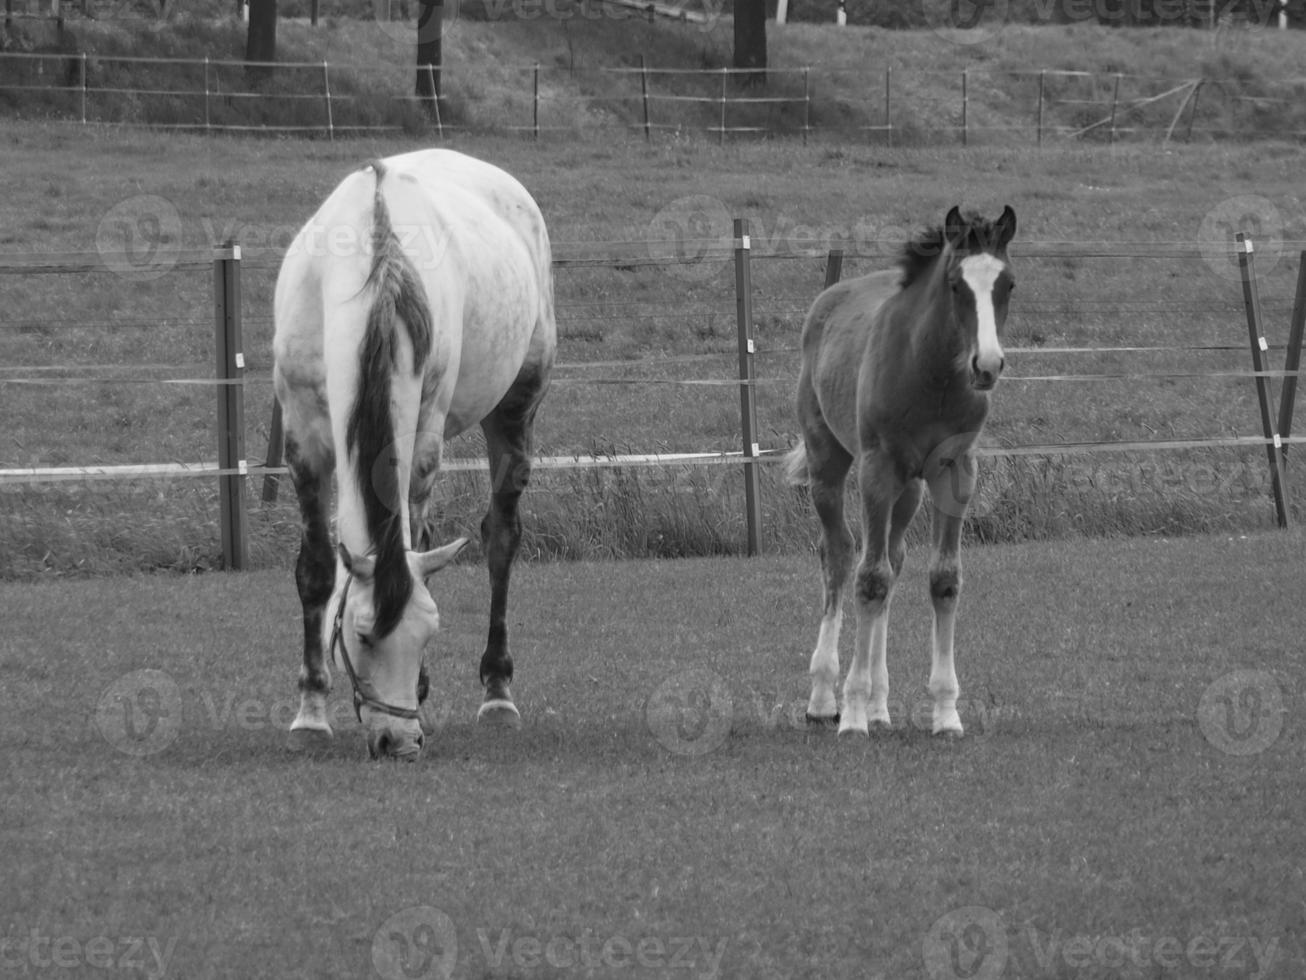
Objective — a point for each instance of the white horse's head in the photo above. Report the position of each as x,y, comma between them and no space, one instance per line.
384,667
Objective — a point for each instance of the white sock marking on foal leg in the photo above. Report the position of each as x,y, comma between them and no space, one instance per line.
943,674
824,668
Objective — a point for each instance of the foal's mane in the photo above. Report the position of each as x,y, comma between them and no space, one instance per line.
921,251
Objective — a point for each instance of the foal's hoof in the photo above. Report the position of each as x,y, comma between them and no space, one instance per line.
949,735
501,713
818,721
308,739
879,729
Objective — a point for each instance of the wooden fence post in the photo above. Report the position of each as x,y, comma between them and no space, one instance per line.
206,96
1252,302
747,401
1292,359
231,406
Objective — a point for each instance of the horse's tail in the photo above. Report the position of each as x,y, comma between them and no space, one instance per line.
397,295
795,462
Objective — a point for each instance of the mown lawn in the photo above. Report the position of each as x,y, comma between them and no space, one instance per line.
1126,802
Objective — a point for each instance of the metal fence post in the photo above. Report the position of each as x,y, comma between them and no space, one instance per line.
232,467
1252,302
1292,359
747,401
643,91
326,94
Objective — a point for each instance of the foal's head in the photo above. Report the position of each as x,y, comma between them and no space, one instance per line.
978,275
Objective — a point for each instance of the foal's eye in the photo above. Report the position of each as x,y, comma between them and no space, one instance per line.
365,639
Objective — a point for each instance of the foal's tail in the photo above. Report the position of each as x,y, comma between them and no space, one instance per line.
796,466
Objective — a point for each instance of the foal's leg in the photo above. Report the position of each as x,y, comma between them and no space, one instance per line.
950,490
507,435
315,574
828,465
866,688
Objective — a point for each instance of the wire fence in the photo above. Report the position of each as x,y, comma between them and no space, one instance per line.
767,338
896,106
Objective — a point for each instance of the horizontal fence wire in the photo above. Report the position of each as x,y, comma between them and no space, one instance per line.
703,100
186,260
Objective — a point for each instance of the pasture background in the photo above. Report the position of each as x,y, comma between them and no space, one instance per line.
73,188
1097,797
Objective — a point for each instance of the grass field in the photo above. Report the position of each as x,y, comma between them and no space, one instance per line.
1126,803
73,189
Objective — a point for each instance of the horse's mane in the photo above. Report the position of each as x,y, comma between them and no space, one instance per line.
398,296
919,253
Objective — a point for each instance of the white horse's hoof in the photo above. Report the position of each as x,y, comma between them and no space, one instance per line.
504,714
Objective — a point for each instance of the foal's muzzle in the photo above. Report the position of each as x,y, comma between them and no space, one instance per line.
984,373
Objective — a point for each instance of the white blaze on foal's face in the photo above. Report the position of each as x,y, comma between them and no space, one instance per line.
989,282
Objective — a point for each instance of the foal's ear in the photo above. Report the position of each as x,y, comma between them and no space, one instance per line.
430,562
954,226
1006,226
361,568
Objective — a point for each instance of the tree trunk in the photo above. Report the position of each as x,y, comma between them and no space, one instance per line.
430,32
750,40
261,38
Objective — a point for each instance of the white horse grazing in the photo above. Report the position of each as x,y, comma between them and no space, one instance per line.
416,303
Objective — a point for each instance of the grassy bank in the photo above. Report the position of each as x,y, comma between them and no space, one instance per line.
491,56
